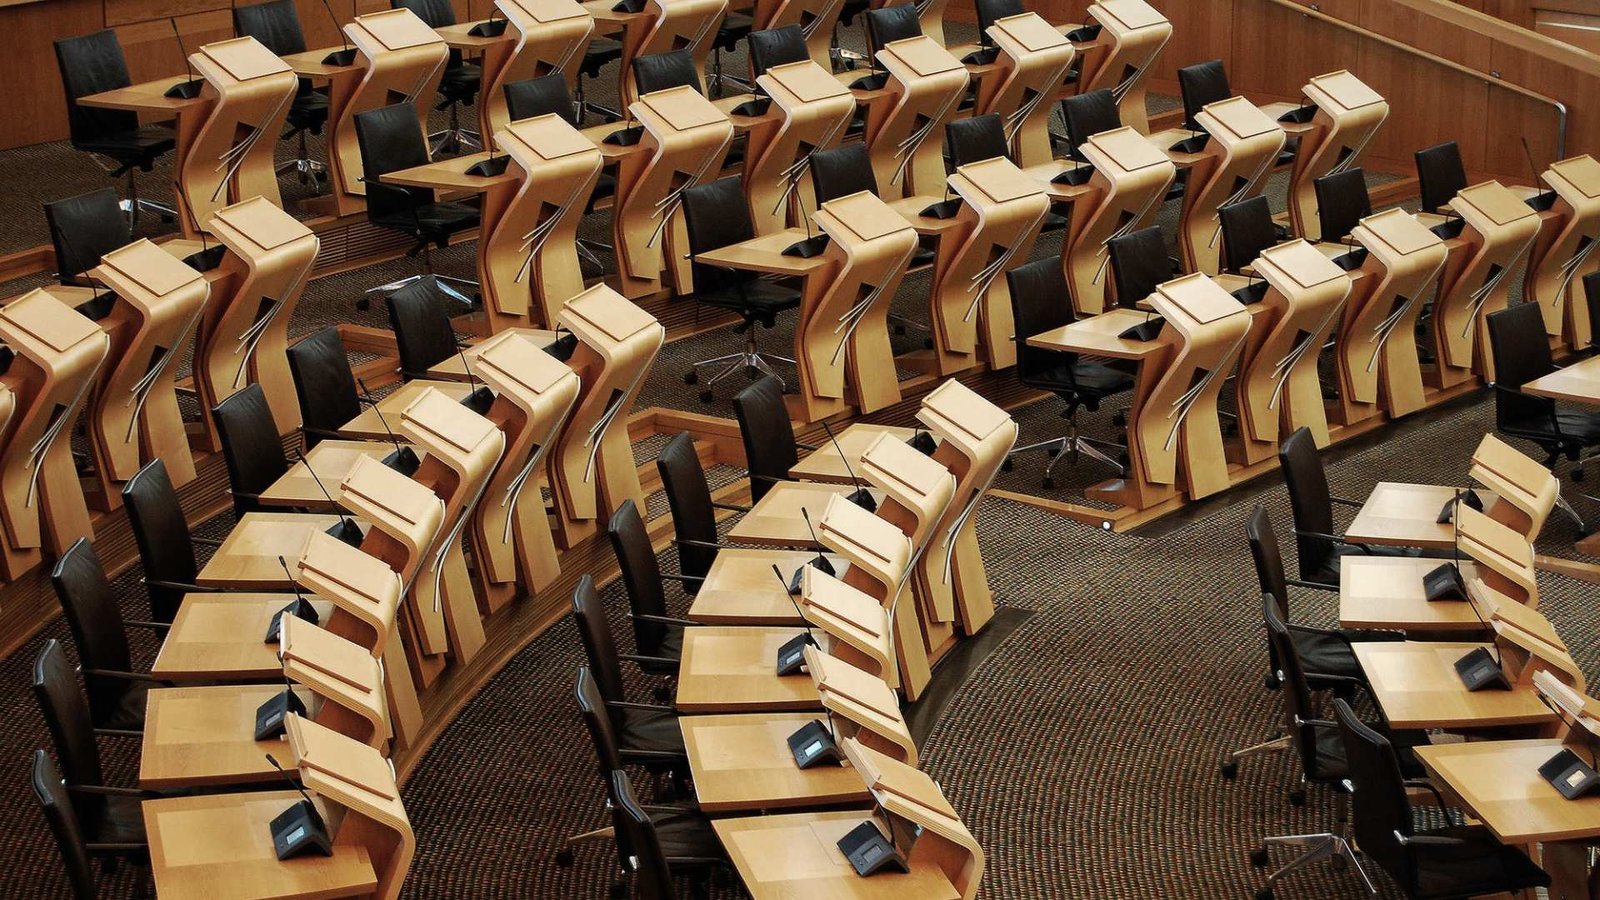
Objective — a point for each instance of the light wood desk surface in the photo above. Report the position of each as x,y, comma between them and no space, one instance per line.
457,38
775,521
453,369
726,669
148,96
797,855
1577,383
1499,783
205,737
1406,515
742,763
219,847
450,174
370,427
330,462
1417,687
1099,335
765,254
740,588
249,557
1386,592
309,64
826,464
220,637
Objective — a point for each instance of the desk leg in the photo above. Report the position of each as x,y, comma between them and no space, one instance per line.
1568,865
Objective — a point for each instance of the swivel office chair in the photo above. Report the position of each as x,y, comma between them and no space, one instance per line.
1319,547
276,24
649,730
116,692
1440,175
166,542
1247,230
1521,352
78,852
770,448
250,447
1205,83
663,847
423,335
664,71
390,139
459,83
93,63
657,635
600,53
734,27
694,517
1087,115
977,138
82,230
1039,304
1140,264
324,384
1342,202
717,216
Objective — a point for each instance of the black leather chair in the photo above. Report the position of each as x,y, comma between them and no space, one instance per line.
657,636
694,518
1442,863
542,96
250,446
716,216
770,448
1318,545
83,229
324,385
1521,353
1440,175
664,71
776,47
1087,115
1140,264
991,11
423,334
886,25
391,139
1342,202
276,24
847,169
116,692
92,63
78,852
977,138
1207,82
663,845
166,542
1247,229
1039,303
458,86
645,735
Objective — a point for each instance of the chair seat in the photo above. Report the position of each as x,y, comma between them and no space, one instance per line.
460,83
309,110
1332,765
735,28
754,299
1578,424
600,52
138,146
1325,653
1479,865
129,712
671,648
685,833
121,822
648,729
1086,380
447,217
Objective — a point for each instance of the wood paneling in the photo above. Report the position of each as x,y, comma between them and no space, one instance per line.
1300,47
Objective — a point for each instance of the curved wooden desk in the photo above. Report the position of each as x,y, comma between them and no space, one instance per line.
1131,176
1033,63
232,155
1564,251
544,37
1123,55
814,110
1499,228
1348,117
1243,146
905,132
664,26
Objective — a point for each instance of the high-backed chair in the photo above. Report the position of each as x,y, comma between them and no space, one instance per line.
93,63
1038,289
1318,543
1247,229
770,448
657,636
1342,202
1202,84
717,216
977,138
116,692
694,521
1521,353
885,25
390,138
250,447
422,331
83,229
324,385
459,82
1139,263
992,11
542,96
1086,115
662,849
664,71
166,542
78,852
776,47
648,735
1440,175
276,24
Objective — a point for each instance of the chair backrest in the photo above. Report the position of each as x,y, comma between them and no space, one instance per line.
890,24
250,445
992,11
599,645
1039,302
715,215
89,64
689,498
664,71
1591,299
975,139
652,875
542,96
66,714
1379,806
1201,84
162,533
85,228
841,171
1139,264
1247,230
63,821
768,435
1342,202
1297,708
1521,353
96,623
276,24
323,383
1268,558
423,334
776,47
1309,498
391,139
1087,115
1440,174
597,719
641,575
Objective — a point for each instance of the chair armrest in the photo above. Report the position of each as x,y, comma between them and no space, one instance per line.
197,589
325,433
1346,501
153,626
116,848
1335,539
646,707
204,541
1429,787
1428,840
119,732
1322,632
396,192
106,790
1315,585
653,754
243,495
662,620
686,579
805,446
639,658
124,676
704,545
731,507
1555,427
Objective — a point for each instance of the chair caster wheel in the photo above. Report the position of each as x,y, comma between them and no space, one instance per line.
363,304
691,377
705,396
1049,484
1259,858
1120,420
1230,770
1265,894
564,858
1297,798
1272,682
1007,465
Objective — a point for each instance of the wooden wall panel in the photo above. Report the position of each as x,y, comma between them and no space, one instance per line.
320,30
1300,48
36,109
1428,105
153,50
126,12
1200,31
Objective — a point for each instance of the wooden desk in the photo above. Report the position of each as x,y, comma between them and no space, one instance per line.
743,764
1417,687
219,637
368,425
740,589
775,521
219,847
1577,383
1098,336
728,669
826,462
205,737
1406,515
1386,592
455,369
186,115
797,855
765,255
249,557
330,461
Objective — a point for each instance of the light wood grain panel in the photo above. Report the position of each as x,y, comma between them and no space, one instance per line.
36,110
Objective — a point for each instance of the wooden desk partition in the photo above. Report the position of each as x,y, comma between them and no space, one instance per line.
1504,557
347,680
593,471
814,110
512,547
855,625
970,302
1278,389
842,334
685,140
1243,146
1131,177
58,351
917,494
232,155
905,133
133,416
1122,57
864,706
1527,490
1564,251
1033,62
1376,356
1348,116
669,25
546,37
243,337
1499,229
906,793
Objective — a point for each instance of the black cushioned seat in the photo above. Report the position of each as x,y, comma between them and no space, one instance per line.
649,729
